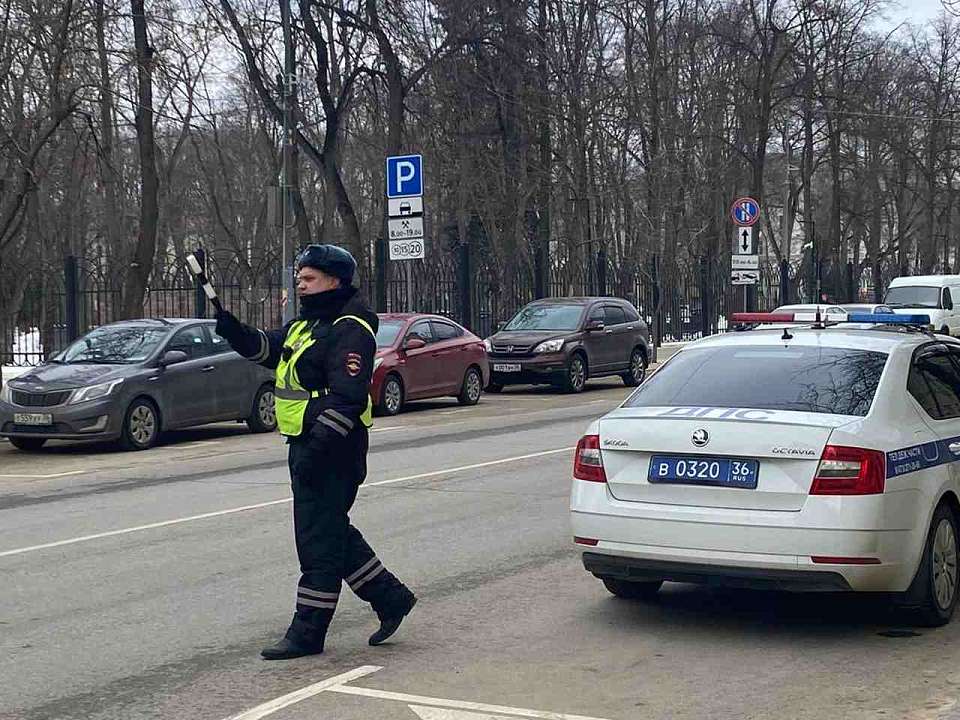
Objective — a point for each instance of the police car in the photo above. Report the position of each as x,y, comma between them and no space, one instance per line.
817,455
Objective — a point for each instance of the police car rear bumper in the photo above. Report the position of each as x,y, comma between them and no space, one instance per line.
703,544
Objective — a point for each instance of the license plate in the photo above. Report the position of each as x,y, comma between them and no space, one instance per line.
506,367
32,419
718,471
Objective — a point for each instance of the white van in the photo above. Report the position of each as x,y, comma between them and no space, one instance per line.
935,295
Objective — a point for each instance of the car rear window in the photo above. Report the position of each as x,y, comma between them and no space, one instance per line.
836,381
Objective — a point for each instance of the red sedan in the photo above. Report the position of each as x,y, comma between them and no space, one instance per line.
426,356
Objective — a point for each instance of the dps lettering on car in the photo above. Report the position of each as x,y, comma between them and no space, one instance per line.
715,413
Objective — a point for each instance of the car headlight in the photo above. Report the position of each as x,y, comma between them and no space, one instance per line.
487,345
549,346
93,392
377,362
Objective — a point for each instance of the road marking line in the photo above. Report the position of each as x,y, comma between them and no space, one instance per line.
199,443
458,704
454,412
151,526
387,429
45,477
467,467
283,701
231,511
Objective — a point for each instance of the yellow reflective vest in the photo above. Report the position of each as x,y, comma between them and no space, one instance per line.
291,398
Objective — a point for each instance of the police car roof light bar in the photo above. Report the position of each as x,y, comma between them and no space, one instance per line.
871,318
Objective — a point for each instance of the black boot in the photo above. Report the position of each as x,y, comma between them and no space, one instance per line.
287,649
389,622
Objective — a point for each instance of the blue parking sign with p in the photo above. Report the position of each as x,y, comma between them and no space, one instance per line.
404,176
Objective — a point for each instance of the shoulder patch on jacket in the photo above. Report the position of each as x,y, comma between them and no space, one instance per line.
354,364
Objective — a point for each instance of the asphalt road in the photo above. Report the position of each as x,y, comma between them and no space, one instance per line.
144,585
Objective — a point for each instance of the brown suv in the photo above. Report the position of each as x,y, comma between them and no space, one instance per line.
564,341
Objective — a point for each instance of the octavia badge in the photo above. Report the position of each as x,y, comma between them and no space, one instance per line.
700,437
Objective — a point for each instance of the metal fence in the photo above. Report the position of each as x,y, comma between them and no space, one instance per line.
688,302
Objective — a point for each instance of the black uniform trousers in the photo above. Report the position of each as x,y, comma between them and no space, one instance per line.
331,551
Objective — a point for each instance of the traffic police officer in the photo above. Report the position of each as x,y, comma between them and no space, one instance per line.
324,362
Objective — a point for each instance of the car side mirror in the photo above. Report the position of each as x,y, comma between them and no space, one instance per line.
413,343
947,302
594,326
172,357
501,325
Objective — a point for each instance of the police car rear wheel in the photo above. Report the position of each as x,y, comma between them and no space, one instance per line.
937,582
391,397
632,590
263,416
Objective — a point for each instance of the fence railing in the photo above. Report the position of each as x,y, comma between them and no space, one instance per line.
685,304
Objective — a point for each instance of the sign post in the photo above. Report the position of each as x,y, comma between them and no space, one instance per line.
405,230
744,260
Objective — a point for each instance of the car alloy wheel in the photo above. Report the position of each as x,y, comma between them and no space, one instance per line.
638,367
267,409
944,564
392,396
473,386
577,373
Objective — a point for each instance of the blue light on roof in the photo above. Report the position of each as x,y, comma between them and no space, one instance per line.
887,319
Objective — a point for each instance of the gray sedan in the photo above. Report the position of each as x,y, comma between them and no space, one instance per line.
131,380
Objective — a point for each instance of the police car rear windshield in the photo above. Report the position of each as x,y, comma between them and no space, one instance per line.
836,381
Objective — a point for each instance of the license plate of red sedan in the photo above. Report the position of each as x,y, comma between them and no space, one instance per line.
506,367
718,471
32,419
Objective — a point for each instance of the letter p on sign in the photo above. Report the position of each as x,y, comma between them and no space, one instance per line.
404,176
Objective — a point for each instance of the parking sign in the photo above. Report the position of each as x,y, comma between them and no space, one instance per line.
404,176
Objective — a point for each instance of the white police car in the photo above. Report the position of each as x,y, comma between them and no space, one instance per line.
814,457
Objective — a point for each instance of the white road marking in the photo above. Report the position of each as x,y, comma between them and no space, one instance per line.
200,443
454,412
467,467
283,701
387,429
45,477
432,713
231,511
454,704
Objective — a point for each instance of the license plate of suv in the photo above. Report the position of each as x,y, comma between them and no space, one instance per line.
506,367
718,471
32,419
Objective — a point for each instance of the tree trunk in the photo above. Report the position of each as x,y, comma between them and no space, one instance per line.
138,273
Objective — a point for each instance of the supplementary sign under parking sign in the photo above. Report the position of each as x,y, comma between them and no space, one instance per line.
407,249
745,277
743,241
745,262
418,706
406,228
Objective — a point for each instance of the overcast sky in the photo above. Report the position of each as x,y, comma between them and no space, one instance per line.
917,12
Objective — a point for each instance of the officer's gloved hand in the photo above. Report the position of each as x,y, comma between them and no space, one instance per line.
229,328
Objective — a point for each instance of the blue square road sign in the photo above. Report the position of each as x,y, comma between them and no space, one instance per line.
404,176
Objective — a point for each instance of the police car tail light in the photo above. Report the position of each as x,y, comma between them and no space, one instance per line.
587,462
850,471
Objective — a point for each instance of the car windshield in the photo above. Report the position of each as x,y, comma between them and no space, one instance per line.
837,381
914,296
116,344
387,333
546,317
